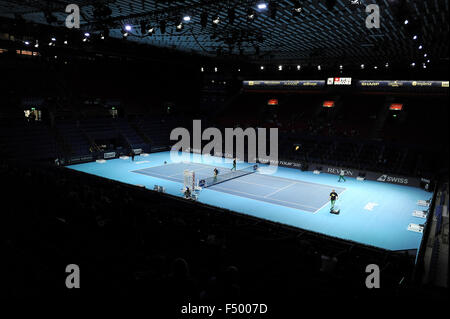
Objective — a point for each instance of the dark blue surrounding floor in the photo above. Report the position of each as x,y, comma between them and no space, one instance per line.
372,213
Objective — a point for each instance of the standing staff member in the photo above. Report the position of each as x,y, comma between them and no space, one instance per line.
234,165
216,172
341,175
132,155
333,197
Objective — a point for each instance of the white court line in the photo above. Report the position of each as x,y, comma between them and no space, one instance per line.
257,184
280,189
278,200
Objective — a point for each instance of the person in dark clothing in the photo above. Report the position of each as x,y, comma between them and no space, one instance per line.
132,155
216,172
234,165
333,197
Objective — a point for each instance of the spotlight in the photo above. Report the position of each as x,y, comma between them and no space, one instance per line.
202,69
262,6
406,22
415,37
375,67
298,67
413,64
186,18
428,61
425,55
424,65
53,39
262,67
85,39
102,37
37,44
215,69
65,42
216,20
124,33
128,27
280,68
297,7
26,43
251,15
362,66
420,47
319,67
341,67
386,65
87,34
180,26
151,30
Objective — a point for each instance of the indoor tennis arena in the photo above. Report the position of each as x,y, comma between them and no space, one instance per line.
222,159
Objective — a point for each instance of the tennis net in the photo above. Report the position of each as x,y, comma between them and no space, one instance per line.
220,178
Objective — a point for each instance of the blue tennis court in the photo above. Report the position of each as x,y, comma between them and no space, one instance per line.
306,196
372,213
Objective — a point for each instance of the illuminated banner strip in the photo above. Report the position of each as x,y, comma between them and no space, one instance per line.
294,84
401,84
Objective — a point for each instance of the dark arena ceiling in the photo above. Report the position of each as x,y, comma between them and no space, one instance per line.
287,31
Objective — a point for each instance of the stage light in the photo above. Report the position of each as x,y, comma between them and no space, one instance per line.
128,27
428,61
415,37
65,42
319,67
216,20
341,67
124,34
406,22
37,44
375,67
250,15
180,27
186,18
413,64
262,6
425,55
26,43
386,65
280,68
215,69
53,39
87,34
85,39
102,37
424,65
362,66
298,67
151,30
202,69
262,67
420,47
297,7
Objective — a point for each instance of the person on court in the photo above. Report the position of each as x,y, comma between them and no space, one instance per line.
341,175
216,172
333,197
132,155
234,164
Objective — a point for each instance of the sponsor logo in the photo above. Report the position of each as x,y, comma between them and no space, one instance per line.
392,179
337,171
